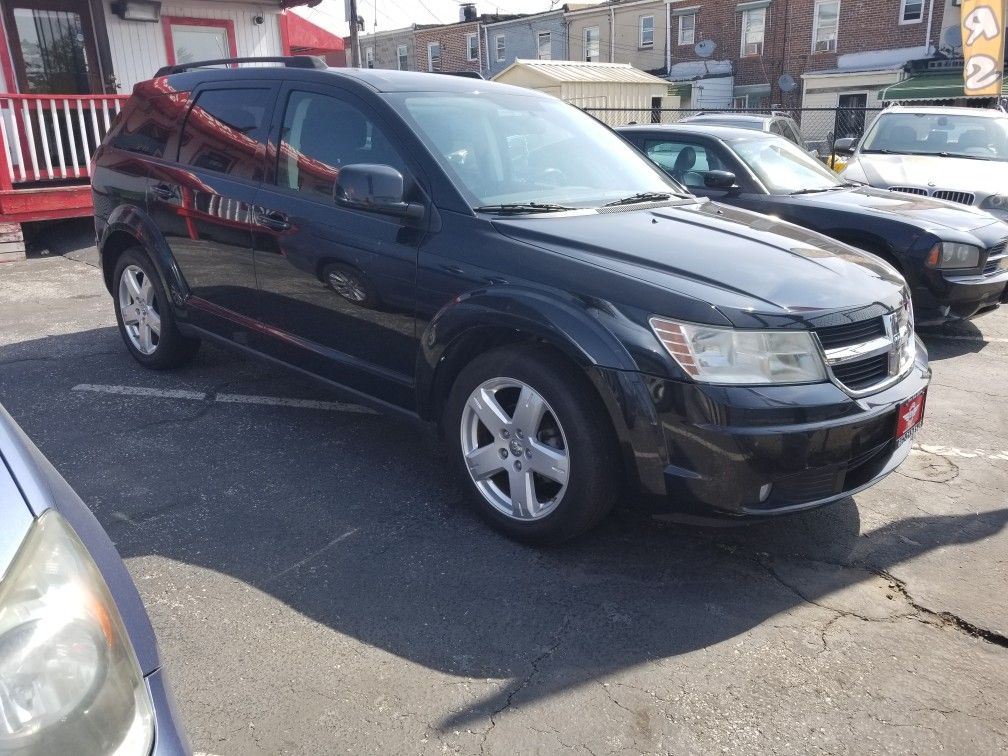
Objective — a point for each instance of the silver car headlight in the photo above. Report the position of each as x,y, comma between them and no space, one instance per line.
953,255
69,678
729,356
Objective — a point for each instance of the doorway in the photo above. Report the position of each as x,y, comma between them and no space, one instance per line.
53,46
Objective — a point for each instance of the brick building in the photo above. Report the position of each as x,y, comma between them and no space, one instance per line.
457,47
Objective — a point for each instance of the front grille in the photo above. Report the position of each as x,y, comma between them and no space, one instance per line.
994,257
963,198
864,373
847,334
949,195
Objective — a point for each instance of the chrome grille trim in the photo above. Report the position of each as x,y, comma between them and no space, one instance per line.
962,198
995,255
948,195
860,361
909,190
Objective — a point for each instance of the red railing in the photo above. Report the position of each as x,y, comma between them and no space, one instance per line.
51,138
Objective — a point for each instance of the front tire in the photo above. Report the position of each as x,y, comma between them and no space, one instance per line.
533,444
144,314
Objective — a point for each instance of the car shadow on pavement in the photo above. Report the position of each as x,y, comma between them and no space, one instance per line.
951,340
354,520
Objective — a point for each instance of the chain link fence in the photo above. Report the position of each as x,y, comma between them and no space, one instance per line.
818,127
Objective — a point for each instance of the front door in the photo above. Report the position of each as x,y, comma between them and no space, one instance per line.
52,46
336,283
203,202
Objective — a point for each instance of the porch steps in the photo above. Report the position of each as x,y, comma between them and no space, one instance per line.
12,247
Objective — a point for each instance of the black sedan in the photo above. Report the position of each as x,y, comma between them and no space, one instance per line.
952,256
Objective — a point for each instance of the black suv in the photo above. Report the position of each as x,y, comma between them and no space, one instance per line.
497,261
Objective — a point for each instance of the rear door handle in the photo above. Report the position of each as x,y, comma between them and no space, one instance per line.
272,219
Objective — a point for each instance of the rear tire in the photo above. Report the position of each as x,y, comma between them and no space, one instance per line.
145,316
533,445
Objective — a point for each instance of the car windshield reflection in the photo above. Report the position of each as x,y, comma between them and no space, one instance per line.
504,149
939,134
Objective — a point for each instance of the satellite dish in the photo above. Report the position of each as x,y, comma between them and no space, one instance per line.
705,48
787,83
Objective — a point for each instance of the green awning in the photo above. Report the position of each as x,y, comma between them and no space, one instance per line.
929,86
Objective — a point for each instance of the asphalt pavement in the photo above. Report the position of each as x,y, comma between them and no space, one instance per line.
318,584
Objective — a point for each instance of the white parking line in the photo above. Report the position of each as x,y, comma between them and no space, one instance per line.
951,451
281,401
955,337
200,396
141,391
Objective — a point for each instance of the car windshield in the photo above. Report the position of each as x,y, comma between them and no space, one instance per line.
530,152
947,135
783,167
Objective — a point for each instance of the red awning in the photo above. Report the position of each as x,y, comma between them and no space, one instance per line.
301,37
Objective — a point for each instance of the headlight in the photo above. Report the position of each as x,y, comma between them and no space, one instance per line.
995,202
726,355
952,255
69,679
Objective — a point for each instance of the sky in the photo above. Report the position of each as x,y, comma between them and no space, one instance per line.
394,14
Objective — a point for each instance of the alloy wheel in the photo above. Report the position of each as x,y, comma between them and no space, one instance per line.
515,449
347,286
138,307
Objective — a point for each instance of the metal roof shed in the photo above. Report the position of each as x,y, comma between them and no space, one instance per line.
609,90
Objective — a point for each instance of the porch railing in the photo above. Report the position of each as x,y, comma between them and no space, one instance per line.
51,138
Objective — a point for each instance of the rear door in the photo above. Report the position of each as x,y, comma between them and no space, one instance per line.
337,284
202,202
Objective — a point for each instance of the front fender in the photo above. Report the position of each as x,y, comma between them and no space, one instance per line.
581,328
134,222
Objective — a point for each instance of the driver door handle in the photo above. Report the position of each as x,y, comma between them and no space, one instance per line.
272,219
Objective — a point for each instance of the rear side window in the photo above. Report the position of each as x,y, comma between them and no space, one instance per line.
686,163
146,124
225,129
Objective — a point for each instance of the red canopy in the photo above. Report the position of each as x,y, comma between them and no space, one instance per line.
301,37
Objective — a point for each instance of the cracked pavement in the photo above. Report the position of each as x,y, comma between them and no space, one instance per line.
318,586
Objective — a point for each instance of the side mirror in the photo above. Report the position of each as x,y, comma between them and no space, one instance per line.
375,188
719,180
844,146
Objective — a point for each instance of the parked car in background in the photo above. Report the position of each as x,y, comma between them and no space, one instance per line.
780,124
579,328
79,666
953,256
954,154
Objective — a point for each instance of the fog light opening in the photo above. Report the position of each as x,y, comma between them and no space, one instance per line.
764,492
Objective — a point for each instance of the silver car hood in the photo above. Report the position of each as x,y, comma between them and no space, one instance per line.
981,177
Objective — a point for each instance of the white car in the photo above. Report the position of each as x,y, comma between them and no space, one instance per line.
954,154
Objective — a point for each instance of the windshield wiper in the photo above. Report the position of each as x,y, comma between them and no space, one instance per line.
964,157
634,199
520,208
815,191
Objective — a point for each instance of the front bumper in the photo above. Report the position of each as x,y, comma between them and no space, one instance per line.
944,296
721,447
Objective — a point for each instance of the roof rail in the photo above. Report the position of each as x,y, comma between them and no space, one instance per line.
289,61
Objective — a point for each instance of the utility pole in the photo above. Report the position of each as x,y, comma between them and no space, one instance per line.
355,59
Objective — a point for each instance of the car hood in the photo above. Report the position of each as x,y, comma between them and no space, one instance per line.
920,211
749,266
957,174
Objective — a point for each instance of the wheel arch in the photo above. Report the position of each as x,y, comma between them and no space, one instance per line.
870,242
127,227
475,324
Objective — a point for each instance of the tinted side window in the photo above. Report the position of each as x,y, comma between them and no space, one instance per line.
685,162
320,135
777,127
224,130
